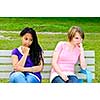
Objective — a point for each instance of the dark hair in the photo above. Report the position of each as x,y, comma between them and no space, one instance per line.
72,31
35,49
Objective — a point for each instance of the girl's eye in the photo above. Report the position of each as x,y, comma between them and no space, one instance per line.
31,40
26,38
76,38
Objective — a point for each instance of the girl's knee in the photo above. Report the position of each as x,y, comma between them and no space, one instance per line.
73,79
17,74
32,79
17,77
58,79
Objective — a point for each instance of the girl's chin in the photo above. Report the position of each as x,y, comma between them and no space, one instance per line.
25,46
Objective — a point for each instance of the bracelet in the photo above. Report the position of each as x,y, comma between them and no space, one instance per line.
32,69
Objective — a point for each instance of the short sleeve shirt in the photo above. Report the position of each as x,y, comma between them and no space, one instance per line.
67,59
28,62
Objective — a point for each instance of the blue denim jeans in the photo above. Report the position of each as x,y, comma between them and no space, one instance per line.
72,79
19,77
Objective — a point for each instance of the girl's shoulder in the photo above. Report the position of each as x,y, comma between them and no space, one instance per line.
16,51
62,43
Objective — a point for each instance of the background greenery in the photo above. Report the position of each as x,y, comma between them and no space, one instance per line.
90,26
50,24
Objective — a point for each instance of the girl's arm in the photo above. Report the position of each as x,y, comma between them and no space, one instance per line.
21,62
37,68
82,58
56,66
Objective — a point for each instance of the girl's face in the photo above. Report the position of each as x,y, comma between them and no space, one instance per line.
27,40
77,39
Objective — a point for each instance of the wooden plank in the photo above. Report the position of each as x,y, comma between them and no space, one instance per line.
5,60
77,68
90,68
46,60
6,68
79,75
45,69
88,60
5,52
83,76
48,53
90,53
5,75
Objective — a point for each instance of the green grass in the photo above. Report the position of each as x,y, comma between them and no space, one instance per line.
48,42
50,24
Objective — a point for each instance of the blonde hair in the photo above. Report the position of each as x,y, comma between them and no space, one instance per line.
72,31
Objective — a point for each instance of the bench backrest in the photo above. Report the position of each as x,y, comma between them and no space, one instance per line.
6,66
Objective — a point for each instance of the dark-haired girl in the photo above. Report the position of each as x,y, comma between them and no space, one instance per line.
27,59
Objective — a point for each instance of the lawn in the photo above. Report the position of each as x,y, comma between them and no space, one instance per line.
50,24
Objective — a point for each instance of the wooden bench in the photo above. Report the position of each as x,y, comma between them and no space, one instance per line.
6,66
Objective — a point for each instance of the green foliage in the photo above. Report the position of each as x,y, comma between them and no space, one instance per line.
50,24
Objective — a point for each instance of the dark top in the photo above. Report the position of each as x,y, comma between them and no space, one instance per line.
28,63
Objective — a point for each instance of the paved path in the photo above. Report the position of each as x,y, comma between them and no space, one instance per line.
2,31
17,32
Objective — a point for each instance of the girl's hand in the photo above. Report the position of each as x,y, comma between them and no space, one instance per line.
80,45
64,77
25,50
18,68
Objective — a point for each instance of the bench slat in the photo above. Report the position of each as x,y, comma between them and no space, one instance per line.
5,52
88,60
46,60
6,68
79,75
4,75
86,53
83,76
90,68
89,53
5,60
46,53
46,68
44,75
